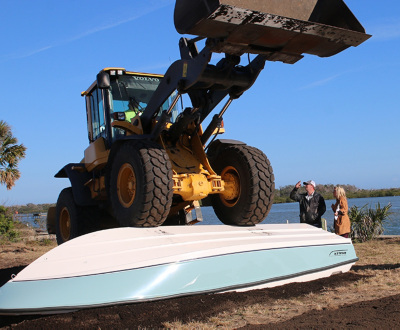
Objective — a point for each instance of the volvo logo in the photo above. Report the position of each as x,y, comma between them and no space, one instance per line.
145,78
338,253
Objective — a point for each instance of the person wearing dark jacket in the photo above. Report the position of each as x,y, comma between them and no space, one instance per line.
312,204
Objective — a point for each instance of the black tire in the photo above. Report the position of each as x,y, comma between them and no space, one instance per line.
141,184
71,219
254,178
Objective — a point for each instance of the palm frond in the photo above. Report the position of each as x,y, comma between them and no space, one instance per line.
10,155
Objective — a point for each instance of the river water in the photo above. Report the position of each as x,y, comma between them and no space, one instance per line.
283,213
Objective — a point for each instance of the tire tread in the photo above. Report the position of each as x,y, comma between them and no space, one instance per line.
157,186
260,197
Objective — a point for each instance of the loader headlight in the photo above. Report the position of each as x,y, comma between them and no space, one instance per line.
116,72
118,116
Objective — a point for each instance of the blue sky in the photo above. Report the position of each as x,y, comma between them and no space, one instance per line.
332,120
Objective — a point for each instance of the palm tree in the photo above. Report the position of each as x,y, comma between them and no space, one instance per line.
10,155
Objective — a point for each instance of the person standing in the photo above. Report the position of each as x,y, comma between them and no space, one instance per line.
341,210
312,204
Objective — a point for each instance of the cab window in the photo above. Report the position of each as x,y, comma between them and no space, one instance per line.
131,94
97,112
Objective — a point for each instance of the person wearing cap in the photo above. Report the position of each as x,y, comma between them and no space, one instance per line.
312,204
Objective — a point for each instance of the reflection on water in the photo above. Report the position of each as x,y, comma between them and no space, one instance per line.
36,220
282,213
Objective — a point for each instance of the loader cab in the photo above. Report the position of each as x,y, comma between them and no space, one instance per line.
119,91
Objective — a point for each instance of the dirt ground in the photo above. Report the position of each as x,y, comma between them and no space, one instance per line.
197,311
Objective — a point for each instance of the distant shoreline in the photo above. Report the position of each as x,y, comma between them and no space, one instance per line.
281,196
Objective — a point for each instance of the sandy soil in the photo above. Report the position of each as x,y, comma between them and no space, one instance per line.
197,311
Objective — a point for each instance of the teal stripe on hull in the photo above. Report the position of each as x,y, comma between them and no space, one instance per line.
182,278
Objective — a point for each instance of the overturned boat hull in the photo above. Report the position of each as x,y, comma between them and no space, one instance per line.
127,265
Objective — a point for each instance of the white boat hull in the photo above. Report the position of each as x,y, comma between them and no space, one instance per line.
126,265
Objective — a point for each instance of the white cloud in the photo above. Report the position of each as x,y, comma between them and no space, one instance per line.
320,82
385,31
156,67
36,51
359,69
23,54
146,8
150,7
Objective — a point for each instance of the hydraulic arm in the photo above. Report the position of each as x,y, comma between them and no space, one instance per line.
273,30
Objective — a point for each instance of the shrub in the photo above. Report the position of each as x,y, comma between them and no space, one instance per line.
7,225
367,223
41,223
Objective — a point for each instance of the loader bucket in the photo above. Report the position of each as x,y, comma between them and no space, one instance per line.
281,27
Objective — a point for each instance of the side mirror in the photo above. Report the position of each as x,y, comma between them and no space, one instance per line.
103,80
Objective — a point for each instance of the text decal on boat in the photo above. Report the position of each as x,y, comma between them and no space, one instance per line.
338,253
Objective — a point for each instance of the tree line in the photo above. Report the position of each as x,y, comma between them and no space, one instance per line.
30,208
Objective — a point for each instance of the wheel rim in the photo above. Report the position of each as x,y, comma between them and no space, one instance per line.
126,185
65,224
232,186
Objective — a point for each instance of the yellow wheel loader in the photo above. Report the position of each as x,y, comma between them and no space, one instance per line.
147,165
